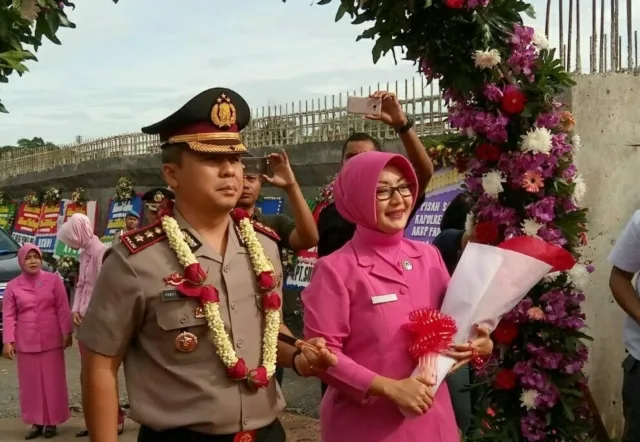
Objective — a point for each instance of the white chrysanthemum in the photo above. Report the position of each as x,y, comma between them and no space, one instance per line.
492,183
528,399
537,140
540,41
578,276
576,143
469,223
487,59
551,276
530,227
579,189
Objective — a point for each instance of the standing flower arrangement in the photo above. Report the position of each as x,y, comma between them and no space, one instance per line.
124,190
79,196
67,265
52,196
193,283
325,196
502,85
31,199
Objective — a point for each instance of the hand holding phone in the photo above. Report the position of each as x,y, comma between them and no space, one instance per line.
364,106
256,166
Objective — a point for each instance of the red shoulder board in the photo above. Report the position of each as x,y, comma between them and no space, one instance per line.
140,239
265,230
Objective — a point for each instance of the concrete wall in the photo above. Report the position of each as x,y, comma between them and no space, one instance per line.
608,121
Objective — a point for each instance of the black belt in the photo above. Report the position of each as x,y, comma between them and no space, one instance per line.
273,432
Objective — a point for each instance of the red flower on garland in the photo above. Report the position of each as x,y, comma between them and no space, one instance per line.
505,380
505,333
271,301
266,281
454,4
209,293
239,371
239,214
258,378
513,101
488,152
195,274
487,233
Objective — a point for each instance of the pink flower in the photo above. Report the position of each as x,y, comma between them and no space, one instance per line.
532,181
535,314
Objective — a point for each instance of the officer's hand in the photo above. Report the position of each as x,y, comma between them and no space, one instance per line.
310,361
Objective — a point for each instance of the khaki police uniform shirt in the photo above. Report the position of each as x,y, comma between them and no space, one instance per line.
116,237
130,316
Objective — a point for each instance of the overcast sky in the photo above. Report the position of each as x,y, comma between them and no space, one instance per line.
131,64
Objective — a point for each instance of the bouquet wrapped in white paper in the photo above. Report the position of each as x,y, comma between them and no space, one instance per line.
488,283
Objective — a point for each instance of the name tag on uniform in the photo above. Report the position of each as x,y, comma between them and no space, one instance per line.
170,295
382,299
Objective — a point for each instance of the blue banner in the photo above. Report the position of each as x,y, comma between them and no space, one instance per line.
116,215
270,205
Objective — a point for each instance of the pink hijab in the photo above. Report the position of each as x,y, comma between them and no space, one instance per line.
355,197
22,257
77,232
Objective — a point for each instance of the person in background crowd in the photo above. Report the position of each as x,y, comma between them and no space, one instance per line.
77,233
152,200
373,377
295,234
194,373
333,229
131,223
37,328
451,242
625,258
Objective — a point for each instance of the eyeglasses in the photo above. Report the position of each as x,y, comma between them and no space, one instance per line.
385,193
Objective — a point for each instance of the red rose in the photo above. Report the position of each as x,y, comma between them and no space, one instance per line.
266,281
165,208
195,274
239,214
505,380
239,371
513,101
487,233
505,333
454,4
488,152
208,293
258,378
271,301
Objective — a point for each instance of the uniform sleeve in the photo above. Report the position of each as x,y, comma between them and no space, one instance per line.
9,315
117,308
284,226
62,306
326,314
626,252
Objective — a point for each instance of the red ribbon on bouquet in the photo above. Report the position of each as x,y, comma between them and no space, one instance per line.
560,259
432,332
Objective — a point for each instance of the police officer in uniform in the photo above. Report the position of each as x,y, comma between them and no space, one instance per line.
152,200
131,223
179,388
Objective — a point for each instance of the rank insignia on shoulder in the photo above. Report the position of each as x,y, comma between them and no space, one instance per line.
191,240
265,230
142,238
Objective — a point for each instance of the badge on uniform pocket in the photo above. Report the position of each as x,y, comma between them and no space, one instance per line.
170,295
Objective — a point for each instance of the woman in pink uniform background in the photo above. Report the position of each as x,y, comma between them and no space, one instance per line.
77,233
37,329
359,298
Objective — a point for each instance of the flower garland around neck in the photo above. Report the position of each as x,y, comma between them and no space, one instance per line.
192,284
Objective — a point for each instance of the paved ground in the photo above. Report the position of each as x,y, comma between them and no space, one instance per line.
303,396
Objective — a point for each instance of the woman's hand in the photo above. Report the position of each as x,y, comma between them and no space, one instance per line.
412,394
67,340
312,362
8,351
482,345
77,318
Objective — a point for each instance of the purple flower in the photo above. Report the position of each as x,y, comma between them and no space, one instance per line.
548,397
532,427
552,235
543,210
529,376
492,93
548,121
519,313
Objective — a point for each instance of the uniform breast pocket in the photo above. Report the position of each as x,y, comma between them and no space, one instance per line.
182,332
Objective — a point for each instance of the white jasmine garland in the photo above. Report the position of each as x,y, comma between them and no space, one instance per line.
528,399
579,189
487,59
531,227
537,140
492,183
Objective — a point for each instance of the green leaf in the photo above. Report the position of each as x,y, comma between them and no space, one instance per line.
382,46
341,11
3,109
531,12
323,2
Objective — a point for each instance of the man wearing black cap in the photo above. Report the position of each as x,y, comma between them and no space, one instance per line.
152,200
188,301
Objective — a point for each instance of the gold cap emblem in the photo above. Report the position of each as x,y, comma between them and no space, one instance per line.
223,114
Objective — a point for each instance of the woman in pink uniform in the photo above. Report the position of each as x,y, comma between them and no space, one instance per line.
77,233
37,329
359,298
